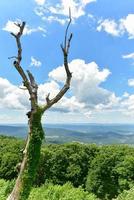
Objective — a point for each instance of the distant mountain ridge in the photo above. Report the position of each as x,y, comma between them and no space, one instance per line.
86,133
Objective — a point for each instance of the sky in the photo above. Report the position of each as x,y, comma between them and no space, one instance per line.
101,59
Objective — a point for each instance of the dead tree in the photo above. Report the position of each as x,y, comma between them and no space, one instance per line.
31,153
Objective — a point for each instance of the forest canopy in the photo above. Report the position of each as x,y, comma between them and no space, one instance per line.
105,171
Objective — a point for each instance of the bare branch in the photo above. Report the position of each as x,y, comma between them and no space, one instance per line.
18,24
11,57
69,41
13,35
18,58
66,47
66,86
47,98
29,81
17,37
66,32
31,78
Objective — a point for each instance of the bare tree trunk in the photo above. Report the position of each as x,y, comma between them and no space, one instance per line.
31,158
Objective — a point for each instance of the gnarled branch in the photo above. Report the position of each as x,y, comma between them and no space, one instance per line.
28,81
18,58
65,50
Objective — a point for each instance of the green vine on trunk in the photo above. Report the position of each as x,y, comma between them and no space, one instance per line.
33,154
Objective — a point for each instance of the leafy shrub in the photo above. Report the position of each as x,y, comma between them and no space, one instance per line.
126,195
49,192
3,189
57,192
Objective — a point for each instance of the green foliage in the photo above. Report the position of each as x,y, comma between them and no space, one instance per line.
125,171
5,188
10,156
105,170
49,192
126,195
62,163
57,192
108,173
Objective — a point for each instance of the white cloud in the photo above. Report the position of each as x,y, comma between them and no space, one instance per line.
77,8
85,84
54,18
12,96
127,106
35,62
86,90
128,56
109,26
40,2
40,11
65,104
50,87
69,105
86,97
72,103
11,27
87,1
60,11
63,9
91,16
131,82
119,27
128,24
125,95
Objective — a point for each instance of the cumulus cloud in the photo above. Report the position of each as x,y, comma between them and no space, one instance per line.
60,11
11,27
77,8
86,91
12,96
109,26
86,84
50,87
118,28
86,96
128,25
35,62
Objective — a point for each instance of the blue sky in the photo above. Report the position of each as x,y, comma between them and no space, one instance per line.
101,59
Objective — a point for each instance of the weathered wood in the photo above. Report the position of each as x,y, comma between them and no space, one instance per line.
66,86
